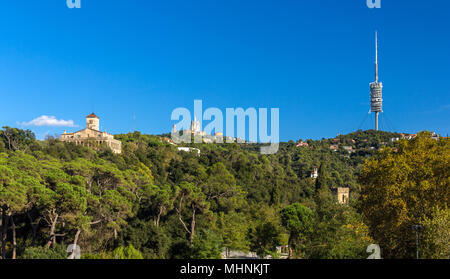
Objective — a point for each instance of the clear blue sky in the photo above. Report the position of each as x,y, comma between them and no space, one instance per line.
311,59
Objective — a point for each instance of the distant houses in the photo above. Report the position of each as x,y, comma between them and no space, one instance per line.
169,141
413,136
302,144
334,147
349,149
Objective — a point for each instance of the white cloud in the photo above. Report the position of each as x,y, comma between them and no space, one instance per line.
45,120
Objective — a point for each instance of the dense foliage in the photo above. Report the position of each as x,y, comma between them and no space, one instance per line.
406,188
153,201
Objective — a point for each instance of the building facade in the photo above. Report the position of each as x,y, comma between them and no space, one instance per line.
91,136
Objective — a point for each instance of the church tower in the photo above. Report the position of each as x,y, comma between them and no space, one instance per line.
93,122
195,126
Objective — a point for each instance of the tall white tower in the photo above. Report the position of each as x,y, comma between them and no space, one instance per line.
376,88
93,122
174,129
195,126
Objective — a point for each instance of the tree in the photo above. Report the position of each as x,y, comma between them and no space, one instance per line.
14,185
152,241
401,188
436,235
220,188
208,245
322,180
114,209
67,203
351,238
299,221
126,253
265,237
120,253
111,194
233,227
265,232
16,139
190,201
37,253
161,202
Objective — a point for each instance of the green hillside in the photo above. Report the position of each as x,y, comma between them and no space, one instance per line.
154,201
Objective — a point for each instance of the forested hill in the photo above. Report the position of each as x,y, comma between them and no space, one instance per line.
154,201
284,176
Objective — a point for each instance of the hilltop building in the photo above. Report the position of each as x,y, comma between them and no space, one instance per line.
195,130
92,136
189,149
195,126
435,136
315,173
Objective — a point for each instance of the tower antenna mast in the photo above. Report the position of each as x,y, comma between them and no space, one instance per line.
376,56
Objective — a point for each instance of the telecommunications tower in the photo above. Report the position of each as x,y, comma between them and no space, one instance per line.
376,88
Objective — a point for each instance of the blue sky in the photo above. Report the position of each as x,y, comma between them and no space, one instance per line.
311,59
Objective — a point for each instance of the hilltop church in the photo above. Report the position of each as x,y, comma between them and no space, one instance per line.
92,136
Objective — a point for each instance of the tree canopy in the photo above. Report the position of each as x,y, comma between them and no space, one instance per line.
154,201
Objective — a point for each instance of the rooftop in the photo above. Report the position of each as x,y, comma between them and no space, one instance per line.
92,115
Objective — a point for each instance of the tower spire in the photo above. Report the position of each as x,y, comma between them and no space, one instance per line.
376,56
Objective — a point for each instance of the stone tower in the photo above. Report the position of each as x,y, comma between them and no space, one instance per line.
93,122
343,195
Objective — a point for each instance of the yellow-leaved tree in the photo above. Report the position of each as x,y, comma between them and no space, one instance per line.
404,188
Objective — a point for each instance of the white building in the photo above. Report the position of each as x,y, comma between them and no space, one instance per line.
315,173
189,149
